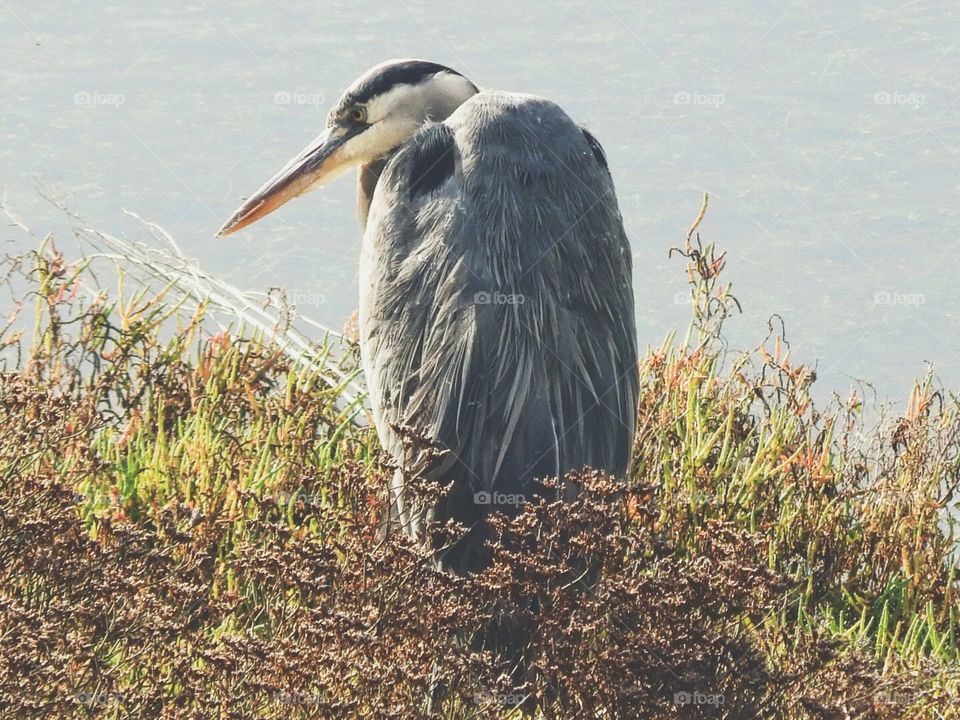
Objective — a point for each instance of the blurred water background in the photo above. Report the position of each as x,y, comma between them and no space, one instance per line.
827,135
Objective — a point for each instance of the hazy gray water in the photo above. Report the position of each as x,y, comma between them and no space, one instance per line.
826,134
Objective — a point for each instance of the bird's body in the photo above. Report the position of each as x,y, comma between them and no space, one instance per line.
497,312
496,307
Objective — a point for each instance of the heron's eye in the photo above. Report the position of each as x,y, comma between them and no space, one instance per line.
358,114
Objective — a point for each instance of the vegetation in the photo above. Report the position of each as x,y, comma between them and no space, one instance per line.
191,526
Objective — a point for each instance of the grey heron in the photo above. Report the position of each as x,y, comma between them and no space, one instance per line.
496,303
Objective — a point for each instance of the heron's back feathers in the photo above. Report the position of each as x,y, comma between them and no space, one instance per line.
499,316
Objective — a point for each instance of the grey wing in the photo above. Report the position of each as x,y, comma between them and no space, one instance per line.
497,315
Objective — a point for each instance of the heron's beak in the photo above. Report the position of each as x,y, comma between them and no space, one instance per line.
319,161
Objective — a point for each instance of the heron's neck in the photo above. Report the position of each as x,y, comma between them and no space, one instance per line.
367,177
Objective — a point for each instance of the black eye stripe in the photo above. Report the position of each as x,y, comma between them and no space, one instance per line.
375,84
409,72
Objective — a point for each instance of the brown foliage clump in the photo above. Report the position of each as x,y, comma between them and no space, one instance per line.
136,622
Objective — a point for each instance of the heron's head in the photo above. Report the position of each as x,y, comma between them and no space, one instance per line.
377,113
